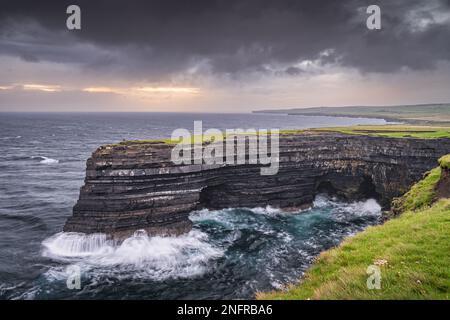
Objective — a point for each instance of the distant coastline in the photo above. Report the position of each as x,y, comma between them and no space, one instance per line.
423,114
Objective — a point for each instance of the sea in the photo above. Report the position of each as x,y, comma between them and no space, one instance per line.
229,254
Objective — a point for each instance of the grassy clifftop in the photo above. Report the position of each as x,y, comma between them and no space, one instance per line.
416,114
412,252
393,131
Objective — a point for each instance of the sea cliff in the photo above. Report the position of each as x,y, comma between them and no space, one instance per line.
135,185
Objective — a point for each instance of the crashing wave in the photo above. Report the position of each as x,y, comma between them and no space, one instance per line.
155,258
369,207
234,231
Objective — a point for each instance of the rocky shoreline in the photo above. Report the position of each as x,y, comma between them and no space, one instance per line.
135,186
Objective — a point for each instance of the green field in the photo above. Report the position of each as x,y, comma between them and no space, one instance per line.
393,131
412,252
435,114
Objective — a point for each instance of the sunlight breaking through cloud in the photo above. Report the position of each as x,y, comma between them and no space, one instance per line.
42,87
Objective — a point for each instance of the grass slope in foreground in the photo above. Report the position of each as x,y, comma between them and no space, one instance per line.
413,251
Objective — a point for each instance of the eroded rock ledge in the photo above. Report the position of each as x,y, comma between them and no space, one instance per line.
136,186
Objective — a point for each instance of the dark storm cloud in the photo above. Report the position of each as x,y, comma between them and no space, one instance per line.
157,38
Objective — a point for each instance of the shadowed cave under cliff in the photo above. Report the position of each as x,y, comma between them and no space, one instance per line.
344,187
364,189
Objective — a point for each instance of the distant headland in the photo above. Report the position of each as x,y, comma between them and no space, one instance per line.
423,114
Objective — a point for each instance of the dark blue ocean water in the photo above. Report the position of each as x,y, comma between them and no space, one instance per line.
229,254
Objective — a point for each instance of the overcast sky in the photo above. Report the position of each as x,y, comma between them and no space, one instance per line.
221,56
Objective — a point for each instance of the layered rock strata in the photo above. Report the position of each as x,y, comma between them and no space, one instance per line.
134,186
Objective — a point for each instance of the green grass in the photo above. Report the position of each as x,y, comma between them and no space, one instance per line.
169,141
146,141
194,139
420,195
417,114
415,246
412,251
444,162
392,131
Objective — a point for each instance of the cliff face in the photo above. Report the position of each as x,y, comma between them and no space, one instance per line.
136,186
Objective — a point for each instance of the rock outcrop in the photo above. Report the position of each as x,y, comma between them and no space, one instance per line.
134,186
443,185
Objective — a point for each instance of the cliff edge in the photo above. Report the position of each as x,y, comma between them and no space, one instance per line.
135,185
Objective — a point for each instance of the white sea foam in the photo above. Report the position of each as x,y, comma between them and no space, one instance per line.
222,214
73,245
267,210
368,207
323,201
191,254
45,160
139,255
9,138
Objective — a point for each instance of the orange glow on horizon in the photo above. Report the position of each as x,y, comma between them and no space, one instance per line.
100,90
42,87
169,90
140,91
